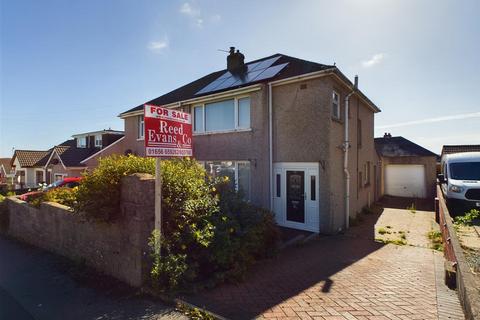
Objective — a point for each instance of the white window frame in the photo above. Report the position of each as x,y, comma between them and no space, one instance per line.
338,115
235,162
43,176
236,128
140,127
25,175
79,144
98,138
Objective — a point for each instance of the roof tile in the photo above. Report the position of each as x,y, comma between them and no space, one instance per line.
400,147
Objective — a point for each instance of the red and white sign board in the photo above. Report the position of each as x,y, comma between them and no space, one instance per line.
168,132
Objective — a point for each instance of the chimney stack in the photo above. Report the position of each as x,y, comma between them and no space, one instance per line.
235,61
387,135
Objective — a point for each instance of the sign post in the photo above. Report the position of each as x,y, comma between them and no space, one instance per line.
168,133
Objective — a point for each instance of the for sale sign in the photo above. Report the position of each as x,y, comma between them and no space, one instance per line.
168,132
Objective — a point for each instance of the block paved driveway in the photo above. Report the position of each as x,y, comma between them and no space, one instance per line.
339,277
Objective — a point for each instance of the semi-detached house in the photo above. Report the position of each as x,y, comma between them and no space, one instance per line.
70,158
276,126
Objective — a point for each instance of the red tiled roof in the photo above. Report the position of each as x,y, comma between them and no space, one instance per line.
31,158
449,149
6,164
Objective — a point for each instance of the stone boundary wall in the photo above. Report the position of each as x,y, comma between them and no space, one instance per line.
468,285
118,249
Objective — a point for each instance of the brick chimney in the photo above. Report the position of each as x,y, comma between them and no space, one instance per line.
235,61
387,135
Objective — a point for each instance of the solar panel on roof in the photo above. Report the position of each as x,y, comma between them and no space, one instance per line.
227,83
271,72
255,71
265,63
249,77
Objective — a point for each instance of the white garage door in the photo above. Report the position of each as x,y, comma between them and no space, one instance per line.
405,180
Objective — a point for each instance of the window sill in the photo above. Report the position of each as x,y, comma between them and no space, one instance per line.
221,132
338,120
140,139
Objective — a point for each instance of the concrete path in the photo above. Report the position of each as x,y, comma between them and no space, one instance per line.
38,285
414,226
343,277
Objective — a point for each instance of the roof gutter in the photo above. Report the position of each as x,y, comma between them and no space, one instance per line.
215,96
306,76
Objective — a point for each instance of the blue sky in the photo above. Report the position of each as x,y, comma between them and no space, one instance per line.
69,67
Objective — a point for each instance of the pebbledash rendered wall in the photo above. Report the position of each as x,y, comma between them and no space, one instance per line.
118,249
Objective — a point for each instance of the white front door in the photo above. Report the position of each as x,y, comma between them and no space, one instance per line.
295,192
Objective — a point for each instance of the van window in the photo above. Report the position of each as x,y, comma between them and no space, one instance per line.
465,170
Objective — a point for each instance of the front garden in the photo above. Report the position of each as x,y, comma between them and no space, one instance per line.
209,233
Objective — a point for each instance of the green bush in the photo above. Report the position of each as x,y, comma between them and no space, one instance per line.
63,195
188,204
209,234
244,233
99,192
468,218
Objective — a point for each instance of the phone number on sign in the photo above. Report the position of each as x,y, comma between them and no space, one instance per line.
169,152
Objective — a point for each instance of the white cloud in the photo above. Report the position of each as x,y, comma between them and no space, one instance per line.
376,59
189,10
158,46
194,13
430,120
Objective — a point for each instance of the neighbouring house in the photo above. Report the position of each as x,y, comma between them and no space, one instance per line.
7,174
28,167
449,149
276,126
74,156
455,148
406,169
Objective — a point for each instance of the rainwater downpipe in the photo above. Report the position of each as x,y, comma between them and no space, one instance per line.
346,145
270,147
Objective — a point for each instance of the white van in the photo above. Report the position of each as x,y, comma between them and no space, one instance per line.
460,180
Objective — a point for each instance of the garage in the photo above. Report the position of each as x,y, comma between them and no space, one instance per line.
405,180
406,169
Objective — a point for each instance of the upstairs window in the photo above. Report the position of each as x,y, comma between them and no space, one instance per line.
98,140
243,113
226,115
335,105
198,119
81,142
140,127
220,116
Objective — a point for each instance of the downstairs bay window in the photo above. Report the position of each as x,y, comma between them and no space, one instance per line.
238,173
